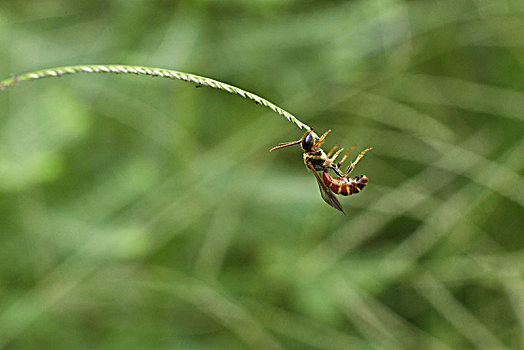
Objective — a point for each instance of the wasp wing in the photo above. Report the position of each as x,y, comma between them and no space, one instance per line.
327,195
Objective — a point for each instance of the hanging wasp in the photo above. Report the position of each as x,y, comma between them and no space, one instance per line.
318,161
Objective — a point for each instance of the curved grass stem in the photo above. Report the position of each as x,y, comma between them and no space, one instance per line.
153,72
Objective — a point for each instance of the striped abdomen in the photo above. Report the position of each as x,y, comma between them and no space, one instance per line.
345,185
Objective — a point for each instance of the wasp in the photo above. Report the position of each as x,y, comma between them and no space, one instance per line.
317,161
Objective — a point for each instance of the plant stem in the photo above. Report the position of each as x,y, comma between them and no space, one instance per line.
153,72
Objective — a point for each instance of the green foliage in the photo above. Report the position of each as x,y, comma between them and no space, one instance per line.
145,213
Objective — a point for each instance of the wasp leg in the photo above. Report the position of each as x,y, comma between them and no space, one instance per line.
332,159
345,156
320,140
352,165
329,162
331,151
335,169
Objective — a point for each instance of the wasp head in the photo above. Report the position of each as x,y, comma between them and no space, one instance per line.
307,142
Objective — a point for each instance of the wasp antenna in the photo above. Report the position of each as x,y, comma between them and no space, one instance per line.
285,144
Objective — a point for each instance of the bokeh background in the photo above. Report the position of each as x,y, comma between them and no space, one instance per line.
144,213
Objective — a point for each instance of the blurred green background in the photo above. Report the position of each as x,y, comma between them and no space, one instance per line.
145,213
